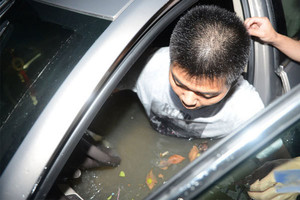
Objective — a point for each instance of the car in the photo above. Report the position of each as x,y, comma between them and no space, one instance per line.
61,63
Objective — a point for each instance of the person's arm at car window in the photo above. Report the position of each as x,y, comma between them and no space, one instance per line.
273,185
262,28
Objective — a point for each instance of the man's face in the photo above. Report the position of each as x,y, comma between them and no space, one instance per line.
196,93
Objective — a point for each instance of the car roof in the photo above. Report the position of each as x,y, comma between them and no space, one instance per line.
104,9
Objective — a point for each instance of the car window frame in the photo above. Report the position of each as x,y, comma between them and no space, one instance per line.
266,57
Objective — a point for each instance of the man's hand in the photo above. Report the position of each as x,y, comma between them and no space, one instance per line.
262,28
267,188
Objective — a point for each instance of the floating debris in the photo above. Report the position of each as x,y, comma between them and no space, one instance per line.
161,176
164,153
197,150
122,174
203,146
151,180
164,164
194,153
174,159
109,198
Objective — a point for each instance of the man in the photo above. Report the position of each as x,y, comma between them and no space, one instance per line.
194,88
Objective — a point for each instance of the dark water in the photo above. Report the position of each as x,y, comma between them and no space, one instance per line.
123,123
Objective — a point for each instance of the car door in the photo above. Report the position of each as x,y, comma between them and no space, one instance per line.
271,72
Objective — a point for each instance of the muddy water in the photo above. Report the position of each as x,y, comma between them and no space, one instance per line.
123,123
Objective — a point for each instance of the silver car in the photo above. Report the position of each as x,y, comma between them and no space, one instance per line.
61,62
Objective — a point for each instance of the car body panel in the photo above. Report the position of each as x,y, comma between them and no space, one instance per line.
99,8
68,103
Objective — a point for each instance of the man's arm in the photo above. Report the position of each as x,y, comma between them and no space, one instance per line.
263,29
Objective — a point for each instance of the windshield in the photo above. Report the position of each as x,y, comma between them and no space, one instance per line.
39,45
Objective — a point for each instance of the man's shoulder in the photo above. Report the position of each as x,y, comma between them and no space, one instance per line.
246,99
154,76
157,66
245,88
160,57
162,51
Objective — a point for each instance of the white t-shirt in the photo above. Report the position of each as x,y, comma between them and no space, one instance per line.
168,116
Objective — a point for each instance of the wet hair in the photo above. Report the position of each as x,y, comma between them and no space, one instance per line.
210,42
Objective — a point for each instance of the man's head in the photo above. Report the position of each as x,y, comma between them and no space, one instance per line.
209,48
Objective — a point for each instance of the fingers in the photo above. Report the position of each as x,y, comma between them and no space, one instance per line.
263,195
254,25
262,28
263,184
255,31
255,20
271,194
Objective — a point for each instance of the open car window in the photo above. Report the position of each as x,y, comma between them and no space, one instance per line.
162,166
146,156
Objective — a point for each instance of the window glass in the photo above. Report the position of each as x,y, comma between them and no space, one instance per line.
236,183
40,45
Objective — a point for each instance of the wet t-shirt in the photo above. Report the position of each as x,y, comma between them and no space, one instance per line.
168,116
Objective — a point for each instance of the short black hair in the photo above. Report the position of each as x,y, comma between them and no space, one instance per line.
210,42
